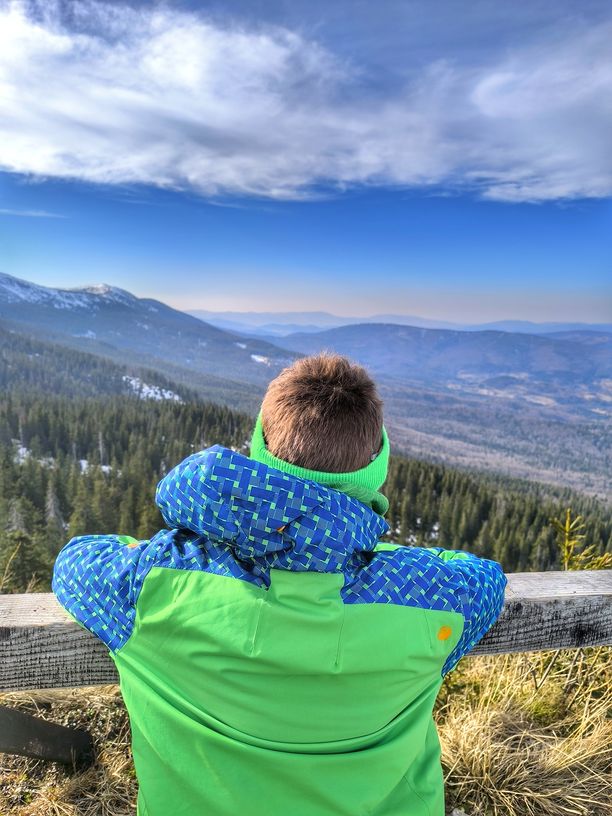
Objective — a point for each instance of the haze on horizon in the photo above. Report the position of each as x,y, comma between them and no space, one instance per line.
310,156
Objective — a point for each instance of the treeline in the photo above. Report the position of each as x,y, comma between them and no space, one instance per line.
31,365
91,465
507,520
50,365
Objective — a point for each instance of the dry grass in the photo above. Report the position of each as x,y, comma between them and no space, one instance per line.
521,736
33,788
530,736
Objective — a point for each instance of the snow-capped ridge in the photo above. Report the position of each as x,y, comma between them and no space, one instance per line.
16,290
106,291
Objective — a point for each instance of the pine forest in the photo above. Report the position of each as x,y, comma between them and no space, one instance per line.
72,466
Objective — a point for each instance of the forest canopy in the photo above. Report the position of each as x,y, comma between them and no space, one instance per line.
74,466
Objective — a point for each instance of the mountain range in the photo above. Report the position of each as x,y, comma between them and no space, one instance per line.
531,405
115,324
279,324
563,369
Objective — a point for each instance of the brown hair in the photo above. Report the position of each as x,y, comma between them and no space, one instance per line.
323,413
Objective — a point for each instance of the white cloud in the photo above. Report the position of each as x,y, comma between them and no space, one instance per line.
166,97
30,213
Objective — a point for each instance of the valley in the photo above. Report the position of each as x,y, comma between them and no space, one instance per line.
533,406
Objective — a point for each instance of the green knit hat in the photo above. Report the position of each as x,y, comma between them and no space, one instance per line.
361,484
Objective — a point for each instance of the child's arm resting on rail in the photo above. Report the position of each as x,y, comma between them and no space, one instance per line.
484,585
94,579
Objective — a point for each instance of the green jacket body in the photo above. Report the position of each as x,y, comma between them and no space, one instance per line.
276,657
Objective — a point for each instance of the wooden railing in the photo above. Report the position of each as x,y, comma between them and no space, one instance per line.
41,647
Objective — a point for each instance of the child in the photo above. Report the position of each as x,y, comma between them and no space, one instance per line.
276,658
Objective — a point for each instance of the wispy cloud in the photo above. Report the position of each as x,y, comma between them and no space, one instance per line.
30,213
170,98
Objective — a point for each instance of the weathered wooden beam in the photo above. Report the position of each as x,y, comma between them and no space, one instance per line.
29,736
552,610
41,647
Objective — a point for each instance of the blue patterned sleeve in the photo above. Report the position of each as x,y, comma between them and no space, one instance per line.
94,579
484,586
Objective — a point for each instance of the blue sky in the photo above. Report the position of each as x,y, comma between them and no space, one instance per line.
449,160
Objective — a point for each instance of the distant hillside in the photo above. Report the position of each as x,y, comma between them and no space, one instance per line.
528,327
535,407
602,339
30,364
565,372
279,324
527,405
114,323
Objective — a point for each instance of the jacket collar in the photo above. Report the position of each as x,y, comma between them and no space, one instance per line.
266,515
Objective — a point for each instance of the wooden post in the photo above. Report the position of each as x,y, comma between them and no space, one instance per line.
30,736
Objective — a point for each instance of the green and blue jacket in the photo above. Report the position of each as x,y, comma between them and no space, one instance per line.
275,656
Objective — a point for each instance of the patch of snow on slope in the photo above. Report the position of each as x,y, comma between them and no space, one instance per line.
21,454
112,293
146,391
241,345
259,358
84,465
14,290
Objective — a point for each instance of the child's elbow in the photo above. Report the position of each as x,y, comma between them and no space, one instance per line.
65,563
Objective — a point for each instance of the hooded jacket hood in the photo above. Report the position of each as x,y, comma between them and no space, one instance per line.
267,517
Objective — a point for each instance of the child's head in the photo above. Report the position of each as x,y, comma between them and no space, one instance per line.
323,413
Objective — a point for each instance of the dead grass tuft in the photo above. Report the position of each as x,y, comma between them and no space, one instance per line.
511,749
34,788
